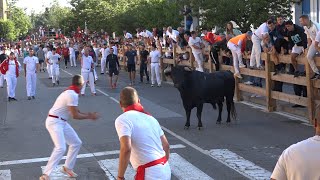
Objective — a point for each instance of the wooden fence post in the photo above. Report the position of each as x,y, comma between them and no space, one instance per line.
310,95
163,77
271,103
174,55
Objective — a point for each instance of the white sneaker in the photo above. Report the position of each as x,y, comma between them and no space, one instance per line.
253,95
258,96
69,173
248,83
242,66
238,75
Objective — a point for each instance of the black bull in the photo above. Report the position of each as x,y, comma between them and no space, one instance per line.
197,88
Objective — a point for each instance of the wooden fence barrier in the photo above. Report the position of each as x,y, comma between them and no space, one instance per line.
313,86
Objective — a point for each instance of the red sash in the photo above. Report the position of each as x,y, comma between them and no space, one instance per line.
4,66
141,169
75,88
136,107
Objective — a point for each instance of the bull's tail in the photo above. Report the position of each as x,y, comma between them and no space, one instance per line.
233,111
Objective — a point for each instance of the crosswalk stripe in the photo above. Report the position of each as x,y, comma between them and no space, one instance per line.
5,174
57,174
184,170
239,164
88,155
110,167
180,168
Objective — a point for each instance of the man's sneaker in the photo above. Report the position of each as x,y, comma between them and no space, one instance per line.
152,85
58,82
68,172
29,98
238,75
102,73
159,85
33,97
315,76
242,66
248,83
297,106
253,95
9,99
14,99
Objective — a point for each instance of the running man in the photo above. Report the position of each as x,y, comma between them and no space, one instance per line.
112,63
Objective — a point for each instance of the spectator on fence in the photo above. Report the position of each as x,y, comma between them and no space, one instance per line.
298,43
126,34
311,28
231,31
237,46
173,34
181,40
282,30
301,160
196,45
258,35
317,42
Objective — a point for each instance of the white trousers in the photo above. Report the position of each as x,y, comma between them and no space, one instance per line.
236,55
310,56
159,171
87,75
55,72
256,52
11,85
103,65
1,79
95,73
72,60
49,70
31,84
155,73
61,134
199,59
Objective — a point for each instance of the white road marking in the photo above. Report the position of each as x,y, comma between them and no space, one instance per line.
80,156
110,167
5,174
114,99
103,92
239,164
66,72
184,170
57,174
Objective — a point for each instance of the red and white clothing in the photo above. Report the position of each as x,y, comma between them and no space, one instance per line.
54,66
72,57
10,68
312,32
237,46
145,132
155,66
61,132
31,63
299,161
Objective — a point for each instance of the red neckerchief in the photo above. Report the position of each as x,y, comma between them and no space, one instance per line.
75,88
136,107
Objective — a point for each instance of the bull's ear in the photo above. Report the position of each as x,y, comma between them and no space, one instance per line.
187,68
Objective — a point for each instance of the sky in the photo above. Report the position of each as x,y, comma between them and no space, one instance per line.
38,5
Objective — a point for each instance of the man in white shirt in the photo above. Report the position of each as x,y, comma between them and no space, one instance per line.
173,34
311,28
196,45
103,58
48,54
127,35
53,61
257,37
142,140
301,160
72,56
87,67
31,67
62,133
154,60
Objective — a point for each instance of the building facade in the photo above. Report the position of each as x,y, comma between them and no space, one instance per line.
3,9
308,7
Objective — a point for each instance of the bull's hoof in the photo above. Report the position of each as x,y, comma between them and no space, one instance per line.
186,127
218,122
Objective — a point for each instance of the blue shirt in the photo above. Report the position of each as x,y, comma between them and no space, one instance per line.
131,56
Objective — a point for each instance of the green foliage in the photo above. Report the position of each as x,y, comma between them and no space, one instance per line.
21,21
7,30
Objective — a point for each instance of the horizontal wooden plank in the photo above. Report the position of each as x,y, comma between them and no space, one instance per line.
252,89
227,68
251,72
185,63
168,61
303,101
287,78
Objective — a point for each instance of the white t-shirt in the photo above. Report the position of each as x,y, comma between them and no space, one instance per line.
12,68
128,35
64,100
72,52
299,161
262,30
86,62
102,51
195,42
155,56
145,133
31,63
115,50
147,34
48,54
173,35
312,31
45,50
318,37
54,59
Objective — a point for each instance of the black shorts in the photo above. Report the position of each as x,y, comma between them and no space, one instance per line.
131,67
41,61
113,72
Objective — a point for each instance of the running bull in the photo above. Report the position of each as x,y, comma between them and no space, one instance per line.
197,88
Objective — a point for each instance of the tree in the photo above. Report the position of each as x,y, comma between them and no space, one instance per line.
21,21
7,30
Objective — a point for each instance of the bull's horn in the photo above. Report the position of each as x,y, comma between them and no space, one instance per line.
187,69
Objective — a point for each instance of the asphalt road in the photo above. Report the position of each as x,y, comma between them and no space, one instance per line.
246,149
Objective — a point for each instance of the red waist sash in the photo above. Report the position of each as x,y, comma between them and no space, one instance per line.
141,169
